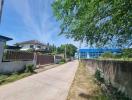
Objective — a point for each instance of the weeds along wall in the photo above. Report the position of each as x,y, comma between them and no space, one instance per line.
118,73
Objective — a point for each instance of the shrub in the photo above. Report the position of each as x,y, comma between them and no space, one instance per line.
98,76
108,55
29,68
127,53
63,60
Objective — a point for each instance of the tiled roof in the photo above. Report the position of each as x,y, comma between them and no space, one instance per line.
5,38
32,42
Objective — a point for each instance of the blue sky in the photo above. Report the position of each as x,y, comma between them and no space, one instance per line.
31,19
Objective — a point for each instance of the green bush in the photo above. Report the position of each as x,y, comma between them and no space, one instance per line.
63,60
29,68
98,76
127,53
108,55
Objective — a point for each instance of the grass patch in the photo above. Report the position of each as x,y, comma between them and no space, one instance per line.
4,79
61,62
84,86
116,59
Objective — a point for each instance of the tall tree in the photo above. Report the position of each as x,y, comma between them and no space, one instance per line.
52,49
70,49
97,22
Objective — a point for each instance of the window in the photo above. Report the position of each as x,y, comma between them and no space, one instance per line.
83,55
39,47
31,46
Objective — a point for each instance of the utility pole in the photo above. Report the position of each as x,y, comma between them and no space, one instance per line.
65,53
1,8
79,50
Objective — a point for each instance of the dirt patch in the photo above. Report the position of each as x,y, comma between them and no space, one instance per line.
84,86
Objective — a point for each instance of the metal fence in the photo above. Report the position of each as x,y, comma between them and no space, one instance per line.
17,56
44,59
41,59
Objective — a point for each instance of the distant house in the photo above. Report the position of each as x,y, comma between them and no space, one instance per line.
32,44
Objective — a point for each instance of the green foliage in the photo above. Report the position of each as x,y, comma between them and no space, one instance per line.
29,68
98,76
127,53
52,49
98,22
30,50
108,55
63,60
70,49
4,79
110,91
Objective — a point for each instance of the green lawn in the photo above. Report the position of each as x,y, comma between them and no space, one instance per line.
4,79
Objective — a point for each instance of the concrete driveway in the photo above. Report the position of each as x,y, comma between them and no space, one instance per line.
52,84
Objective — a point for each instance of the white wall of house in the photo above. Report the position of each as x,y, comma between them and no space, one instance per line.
14,66
27,47
1,50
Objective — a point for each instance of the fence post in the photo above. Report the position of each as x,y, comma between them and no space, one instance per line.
35,59
54,59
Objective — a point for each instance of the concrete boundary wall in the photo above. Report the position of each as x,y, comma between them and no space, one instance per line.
119,73
14,66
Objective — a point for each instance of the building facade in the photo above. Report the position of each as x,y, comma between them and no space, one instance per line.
32,44
95,53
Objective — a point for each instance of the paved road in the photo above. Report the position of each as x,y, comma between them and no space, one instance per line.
52,84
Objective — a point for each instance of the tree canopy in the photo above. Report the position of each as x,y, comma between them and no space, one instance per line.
70,49
97,22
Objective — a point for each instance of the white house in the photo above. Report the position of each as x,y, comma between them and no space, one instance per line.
32,44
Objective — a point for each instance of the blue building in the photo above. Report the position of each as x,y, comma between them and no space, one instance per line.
95,53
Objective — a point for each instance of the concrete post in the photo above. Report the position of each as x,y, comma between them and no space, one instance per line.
35,60
54,59
1,50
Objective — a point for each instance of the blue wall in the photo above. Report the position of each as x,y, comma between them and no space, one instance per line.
95,53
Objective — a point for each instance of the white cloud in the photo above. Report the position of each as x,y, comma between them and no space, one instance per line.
38,18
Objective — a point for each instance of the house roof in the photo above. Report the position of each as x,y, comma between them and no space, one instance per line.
32,42
100,50
5,38
12,47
